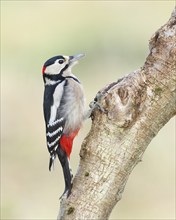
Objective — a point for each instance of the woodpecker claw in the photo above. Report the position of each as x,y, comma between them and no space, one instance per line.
66,193
96,104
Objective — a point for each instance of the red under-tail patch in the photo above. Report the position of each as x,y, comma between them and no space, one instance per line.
66,142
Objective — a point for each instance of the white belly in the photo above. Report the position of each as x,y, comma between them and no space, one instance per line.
74,106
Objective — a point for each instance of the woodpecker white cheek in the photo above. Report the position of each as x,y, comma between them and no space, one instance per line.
54,69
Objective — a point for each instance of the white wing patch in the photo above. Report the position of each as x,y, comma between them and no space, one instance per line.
57,96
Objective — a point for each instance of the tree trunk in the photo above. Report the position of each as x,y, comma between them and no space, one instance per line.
136,108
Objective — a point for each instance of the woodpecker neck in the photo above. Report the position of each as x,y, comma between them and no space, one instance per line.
52,79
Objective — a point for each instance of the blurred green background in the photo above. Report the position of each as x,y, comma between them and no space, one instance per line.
114,35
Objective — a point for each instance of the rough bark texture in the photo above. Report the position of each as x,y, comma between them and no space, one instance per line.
136,108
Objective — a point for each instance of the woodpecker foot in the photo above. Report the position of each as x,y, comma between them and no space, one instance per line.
66,193
96,104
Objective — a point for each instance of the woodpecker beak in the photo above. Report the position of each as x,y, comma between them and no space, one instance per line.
75,58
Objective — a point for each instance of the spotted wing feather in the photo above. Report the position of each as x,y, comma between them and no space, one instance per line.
54,132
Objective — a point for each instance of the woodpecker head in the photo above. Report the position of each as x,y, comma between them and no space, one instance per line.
60,65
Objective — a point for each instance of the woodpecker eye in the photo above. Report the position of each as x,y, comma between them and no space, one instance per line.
61,61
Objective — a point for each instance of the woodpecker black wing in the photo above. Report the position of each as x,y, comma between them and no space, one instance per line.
54,122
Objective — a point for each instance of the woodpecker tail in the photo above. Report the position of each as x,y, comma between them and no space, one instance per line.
51,161
66,170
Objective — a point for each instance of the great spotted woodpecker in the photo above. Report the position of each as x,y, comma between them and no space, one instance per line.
64,110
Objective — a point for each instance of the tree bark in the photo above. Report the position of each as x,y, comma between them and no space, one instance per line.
136,108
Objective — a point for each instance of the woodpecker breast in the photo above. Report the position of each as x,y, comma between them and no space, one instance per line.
73,105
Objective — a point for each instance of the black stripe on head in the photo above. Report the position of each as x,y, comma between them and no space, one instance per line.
62,71
52,60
